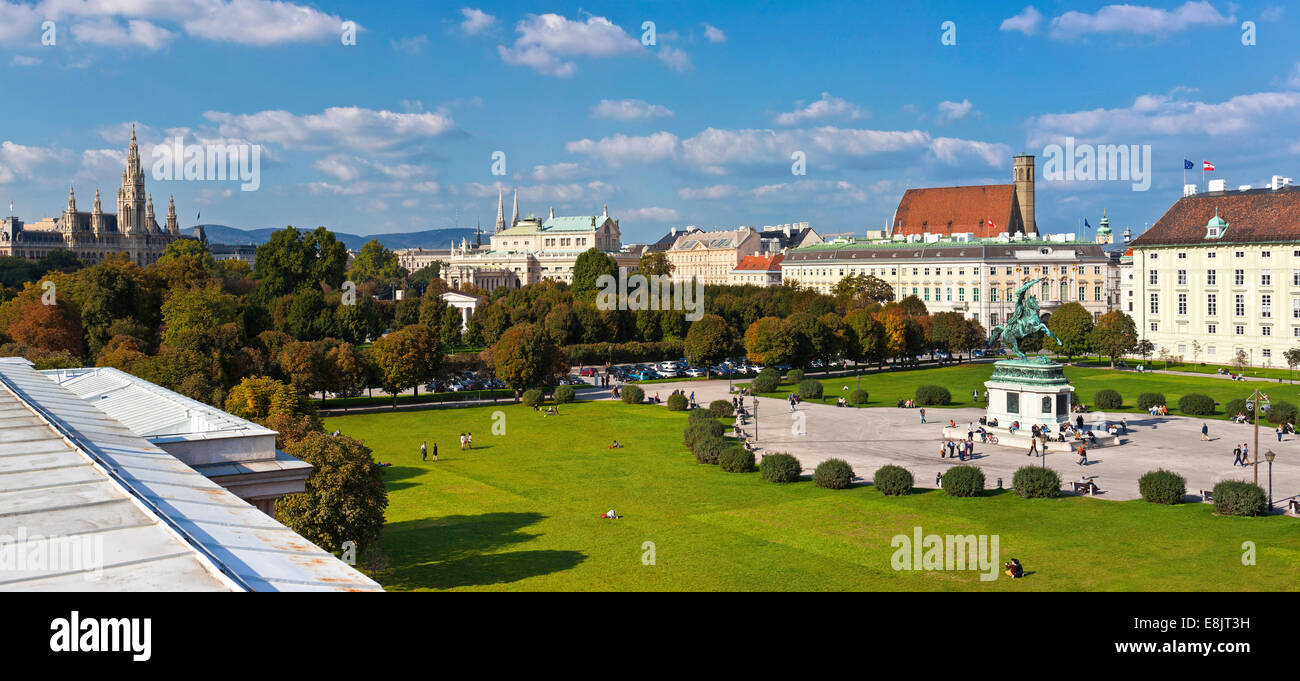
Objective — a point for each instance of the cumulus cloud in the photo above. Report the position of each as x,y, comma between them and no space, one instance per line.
556,172
1026,22
1139,19
953,111
619,150
653,214
589,193
476,21
352,128
713,34
712,192
131,33
629,110
19,23
828,107
1168,116
548,43
21,161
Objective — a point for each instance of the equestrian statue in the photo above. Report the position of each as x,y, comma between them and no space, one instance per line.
1023,322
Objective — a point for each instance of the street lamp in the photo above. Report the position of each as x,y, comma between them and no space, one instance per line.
1269,455
755,396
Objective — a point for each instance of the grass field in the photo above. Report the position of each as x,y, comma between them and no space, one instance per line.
885,389
522,512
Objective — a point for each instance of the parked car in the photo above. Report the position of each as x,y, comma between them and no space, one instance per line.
695,372
588,371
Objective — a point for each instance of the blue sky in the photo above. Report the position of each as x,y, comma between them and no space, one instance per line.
398,132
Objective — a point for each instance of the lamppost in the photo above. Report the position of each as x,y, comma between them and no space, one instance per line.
755,396
1270,456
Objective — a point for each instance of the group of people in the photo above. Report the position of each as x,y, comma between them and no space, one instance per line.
1241,455
906,403
466,442
1158,410
794,400
951,449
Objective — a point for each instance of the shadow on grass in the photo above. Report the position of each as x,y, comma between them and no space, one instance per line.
462,550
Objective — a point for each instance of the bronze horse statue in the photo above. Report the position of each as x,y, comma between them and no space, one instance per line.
1023,322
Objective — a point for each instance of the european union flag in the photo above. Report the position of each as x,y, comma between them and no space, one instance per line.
1085,223
1187,165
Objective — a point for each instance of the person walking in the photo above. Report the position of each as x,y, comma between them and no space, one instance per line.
1078,421
462,442
970,449
1236,455
1033,446
1123,424
424,451
922,414
469,440
975,396
1205,432
1083,455
1279,433
1245,454
435,451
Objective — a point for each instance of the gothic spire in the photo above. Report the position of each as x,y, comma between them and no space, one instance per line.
501,210
72,200
97,209
514,214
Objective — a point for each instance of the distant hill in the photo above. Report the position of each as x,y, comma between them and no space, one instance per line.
433,238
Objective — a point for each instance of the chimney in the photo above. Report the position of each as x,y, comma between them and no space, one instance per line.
1189,190
1022,173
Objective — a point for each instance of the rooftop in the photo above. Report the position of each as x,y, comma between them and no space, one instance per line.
984,210
1253,216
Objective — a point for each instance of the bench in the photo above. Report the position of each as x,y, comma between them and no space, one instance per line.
1089,487
1294,506
1207,495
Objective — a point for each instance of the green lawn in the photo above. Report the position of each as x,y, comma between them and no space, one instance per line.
522,512
885,389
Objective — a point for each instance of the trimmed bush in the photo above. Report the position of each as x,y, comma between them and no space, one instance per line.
1033,482
1148,400
533,397
1280,411
833,474
677,402
764,383
932,394
1196,404
736,460
893,481
696,431
1162,487
708,448
563,394
1237,406
1107,399
858,397
701,416
810,389
1238,497
722,409
794,376
964,481
632,394
770,371
780,467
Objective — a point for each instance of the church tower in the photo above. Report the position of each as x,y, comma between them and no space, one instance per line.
1022,173
173,225
501,212
150,222
514,214
69,220
97,217
131,197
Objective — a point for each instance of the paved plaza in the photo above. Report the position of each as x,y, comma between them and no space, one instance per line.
870,438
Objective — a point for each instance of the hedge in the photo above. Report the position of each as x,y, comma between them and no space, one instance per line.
793,376
932,395
780,467
893,481
833,474
533,397
963,481
1162,487
1238,406
1196,404
563,394
1033,482
810,389
1107,399
1238,497
764,383
736,460
677,402
858,397
1148,400
696,431
1281,411
721,409
632,394
701,416
707,449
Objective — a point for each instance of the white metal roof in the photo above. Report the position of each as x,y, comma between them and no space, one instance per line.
68,469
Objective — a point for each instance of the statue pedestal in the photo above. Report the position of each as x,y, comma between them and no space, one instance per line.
1031,391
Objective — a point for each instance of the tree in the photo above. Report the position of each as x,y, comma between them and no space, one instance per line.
406,358
197,310
309,317
1072,323
345,497
709,341
913,306
1240,360
1114,335
587,269
292,259
1144,348
769,341
376,263
893,334
345,370
807,336
527,356
562,324
184,262
1292,359
113,289
53,328
860,290
303,363
275,405
655,263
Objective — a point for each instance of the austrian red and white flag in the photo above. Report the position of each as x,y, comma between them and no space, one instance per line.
992,224
1207,165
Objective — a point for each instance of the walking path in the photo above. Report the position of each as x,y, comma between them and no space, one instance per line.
872,437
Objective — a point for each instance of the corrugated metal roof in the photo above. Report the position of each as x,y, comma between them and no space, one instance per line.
68,468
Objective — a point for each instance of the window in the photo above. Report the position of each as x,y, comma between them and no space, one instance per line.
1295,277
1209,350
993,295
1096,293
1155,326
949,294
1266,306
1153,277
1082,289
1267,352
1239,254
961,294
1211,254
975,294
1241,305
1210,277
1241,330
1153,256
1239,277
1266,330
1155,303
1182,256
1295,308
1214,328
1182,303
1265,254
1266,278
1182,277
1096,270
1295,331
926,291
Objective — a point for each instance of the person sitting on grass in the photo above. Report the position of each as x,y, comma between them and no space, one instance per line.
616,445
610,515
1014,569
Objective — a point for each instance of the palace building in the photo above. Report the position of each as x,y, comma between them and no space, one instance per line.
93,235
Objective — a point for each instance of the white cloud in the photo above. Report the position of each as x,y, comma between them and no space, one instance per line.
675,58
556,172
261,22
17,160
132,33
23,60
1026,22
619,150
629,110
590,192
713,192
353,128
954,111
476,21
1165,116
827,108
955,152
713,34
1294,81
1138,19
653,214
18,23
411,45
547,42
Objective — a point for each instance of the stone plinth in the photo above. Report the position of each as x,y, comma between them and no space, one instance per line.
1029,391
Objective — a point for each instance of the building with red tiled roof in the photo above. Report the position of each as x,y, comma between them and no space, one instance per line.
983,210
758,270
